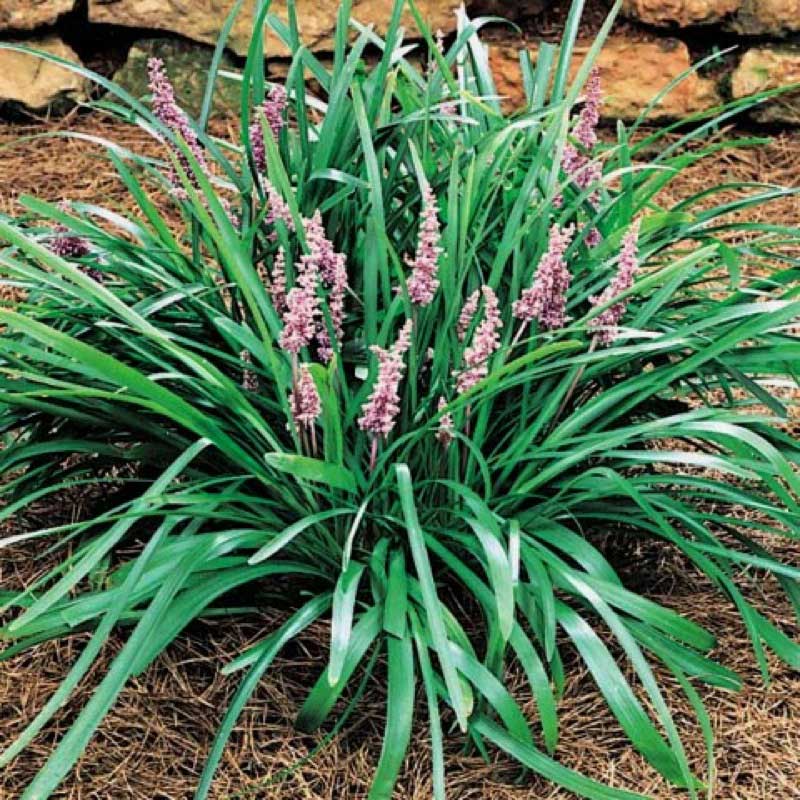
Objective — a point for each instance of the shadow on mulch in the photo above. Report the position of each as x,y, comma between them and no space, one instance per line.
153,743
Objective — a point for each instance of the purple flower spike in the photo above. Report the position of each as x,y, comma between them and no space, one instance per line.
381,409
332,269
328,262
546,300
278,208
304,400
423,283
301,310
68,245
467,315
606,323
583,171
277,282
273,110
484,343
577,165
585,130
171,115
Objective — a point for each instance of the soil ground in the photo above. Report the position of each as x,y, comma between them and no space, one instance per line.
153,743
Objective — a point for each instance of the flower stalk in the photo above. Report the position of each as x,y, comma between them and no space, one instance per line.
379,413
606,323
546,299
423,283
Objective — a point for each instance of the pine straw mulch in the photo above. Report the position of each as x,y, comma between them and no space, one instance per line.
153,743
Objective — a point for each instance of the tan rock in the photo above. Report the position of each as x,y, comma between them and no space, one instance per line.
767,17
202,19
632,73
35,83
680,12
25,15
764,68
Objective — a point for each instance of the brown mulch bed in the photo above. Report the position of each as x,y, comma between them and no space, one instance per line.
153,743
54,161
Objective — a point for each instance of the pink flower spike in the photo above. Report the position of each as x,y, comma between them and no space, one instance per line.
332,269
273,110
467,315
579,166
583,171
585,130
304,400
484,343
423,283
277,282
328,262
302,309
546,299
606,323
172,116
257,147
278,208
379,413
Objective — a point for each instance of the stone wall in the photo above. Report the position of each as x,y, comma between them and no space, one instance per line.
653,42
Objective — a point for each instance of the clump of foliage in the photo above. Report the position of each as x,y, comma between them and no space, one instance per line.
405,348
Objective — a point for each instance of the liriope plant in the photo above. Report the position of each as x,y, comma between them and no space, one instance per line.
403,347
